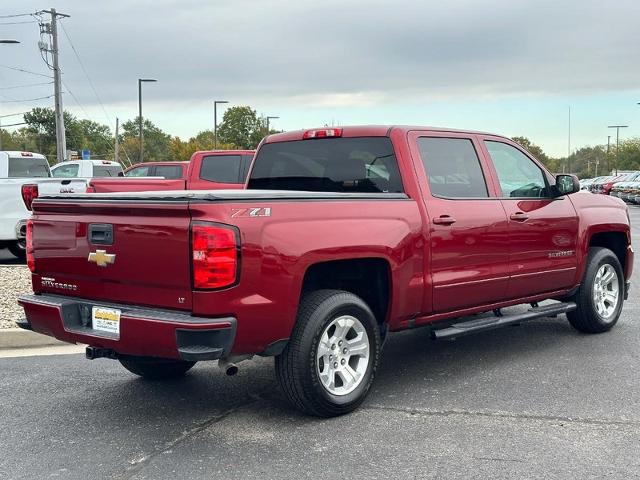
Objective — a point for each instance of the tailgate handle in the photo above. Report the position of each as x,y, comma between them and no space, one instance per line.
101,233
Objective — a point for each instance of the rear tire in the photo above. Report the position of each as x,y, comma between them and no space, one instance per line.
18,249
601,294
156,368
329,364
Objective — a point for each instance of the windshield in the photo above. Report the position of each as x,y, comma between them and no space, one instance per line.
28,167
359,164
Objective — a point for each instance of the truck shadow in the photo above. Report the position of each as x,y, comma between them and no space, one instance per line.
411,364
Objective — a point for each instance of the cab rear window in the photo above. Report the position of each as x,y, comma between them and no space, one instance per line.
106,170
359,164
28,167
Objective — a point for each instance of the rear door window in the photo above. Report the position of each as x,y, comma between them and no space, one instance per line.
221,168
28,167
358,164
452,167
170,172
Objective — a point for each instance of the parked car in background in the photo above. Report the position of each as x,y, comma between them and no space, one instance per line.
207,170
342,236
604,184
168,170
23,176
86,169
585,182
622,188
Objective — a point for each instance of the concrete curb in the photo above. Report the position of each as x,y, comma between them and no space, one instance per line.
19,338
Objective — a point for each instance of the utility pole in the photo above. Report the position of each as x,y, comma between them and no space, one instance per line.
617,127
215,121
117,145
52,29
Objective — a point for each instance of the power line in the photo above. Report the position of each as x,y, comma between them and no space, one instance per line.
95,92
26,99
107,116
26,71
18,23
14,124
12,114
26,85
16,15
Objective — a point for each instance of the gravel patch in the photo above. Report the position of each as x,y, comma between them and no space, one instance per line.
14,281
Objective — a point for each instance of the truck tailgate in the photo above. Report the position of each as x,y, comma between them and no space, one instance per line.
114,251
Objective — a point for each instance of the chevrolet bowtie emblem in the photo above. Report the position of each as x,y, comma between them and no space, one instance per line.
102,258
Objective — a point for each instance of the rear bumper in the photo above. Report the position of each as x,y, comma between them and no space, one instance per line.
143,331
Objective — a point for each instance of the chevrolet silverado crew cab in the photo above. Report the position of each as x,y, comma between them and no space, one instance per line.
342,236
207,170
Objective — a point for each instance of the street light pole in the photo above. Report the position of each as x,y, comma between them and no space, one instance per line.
9,41
215,121
140,134
617,127
270,118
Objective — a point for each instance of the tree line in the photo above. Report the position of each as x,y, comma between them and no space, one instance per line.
242,128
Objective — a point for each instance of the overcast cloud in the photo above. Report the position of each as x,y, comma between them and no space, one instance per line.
302,55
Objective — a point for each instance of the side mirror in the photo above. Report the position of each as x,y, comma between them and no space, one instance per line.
566,184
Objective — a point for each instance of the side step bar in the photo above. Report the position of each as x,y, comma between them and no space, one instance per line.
490,323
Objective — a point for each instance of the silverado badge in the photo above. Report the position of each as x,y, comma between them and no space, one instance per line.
102,258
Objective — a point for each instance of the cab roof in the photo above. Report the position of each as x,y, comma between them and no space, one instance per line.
367,131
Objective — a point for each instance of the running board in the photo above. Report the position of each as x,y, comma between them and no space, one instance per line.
490,323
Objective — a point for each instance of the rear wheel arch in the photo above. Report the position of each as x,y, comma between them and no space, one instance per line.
369,278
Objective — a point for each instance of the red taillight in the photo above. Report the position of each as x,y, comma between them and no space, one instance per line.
214,250
322,133
29,194
31,261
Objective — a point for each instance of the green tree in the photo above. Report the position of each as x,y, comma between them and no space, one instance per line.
156,142
241,127
552,164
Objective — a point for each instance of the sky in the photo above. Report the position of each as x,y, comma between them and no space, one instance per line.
509,67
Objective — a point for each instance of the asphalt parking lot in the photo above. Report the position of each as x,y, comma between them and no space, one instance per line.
539,400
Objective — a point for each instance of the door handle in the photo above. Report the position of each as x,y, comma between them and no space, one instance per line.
519,216
444,220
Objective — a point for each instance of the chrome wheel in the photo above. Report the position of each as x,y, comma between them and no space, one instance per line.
606,291
343,355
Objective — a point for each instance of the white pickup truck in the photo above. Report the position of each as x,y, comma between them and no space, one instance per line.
87,169
24,176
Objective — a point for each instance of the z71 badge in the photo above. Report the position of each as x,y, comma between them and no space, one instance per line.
251,212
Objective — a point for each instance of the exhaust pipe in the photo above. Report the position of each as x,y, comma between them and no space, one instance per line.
229,368
95,352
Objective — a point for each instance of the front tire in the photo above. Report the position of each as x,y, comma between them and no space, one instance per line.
329,364
18,249
600,296
156,368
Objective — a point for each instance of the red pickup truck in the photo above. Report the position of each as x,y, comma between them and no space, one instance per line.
343,235
207,170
